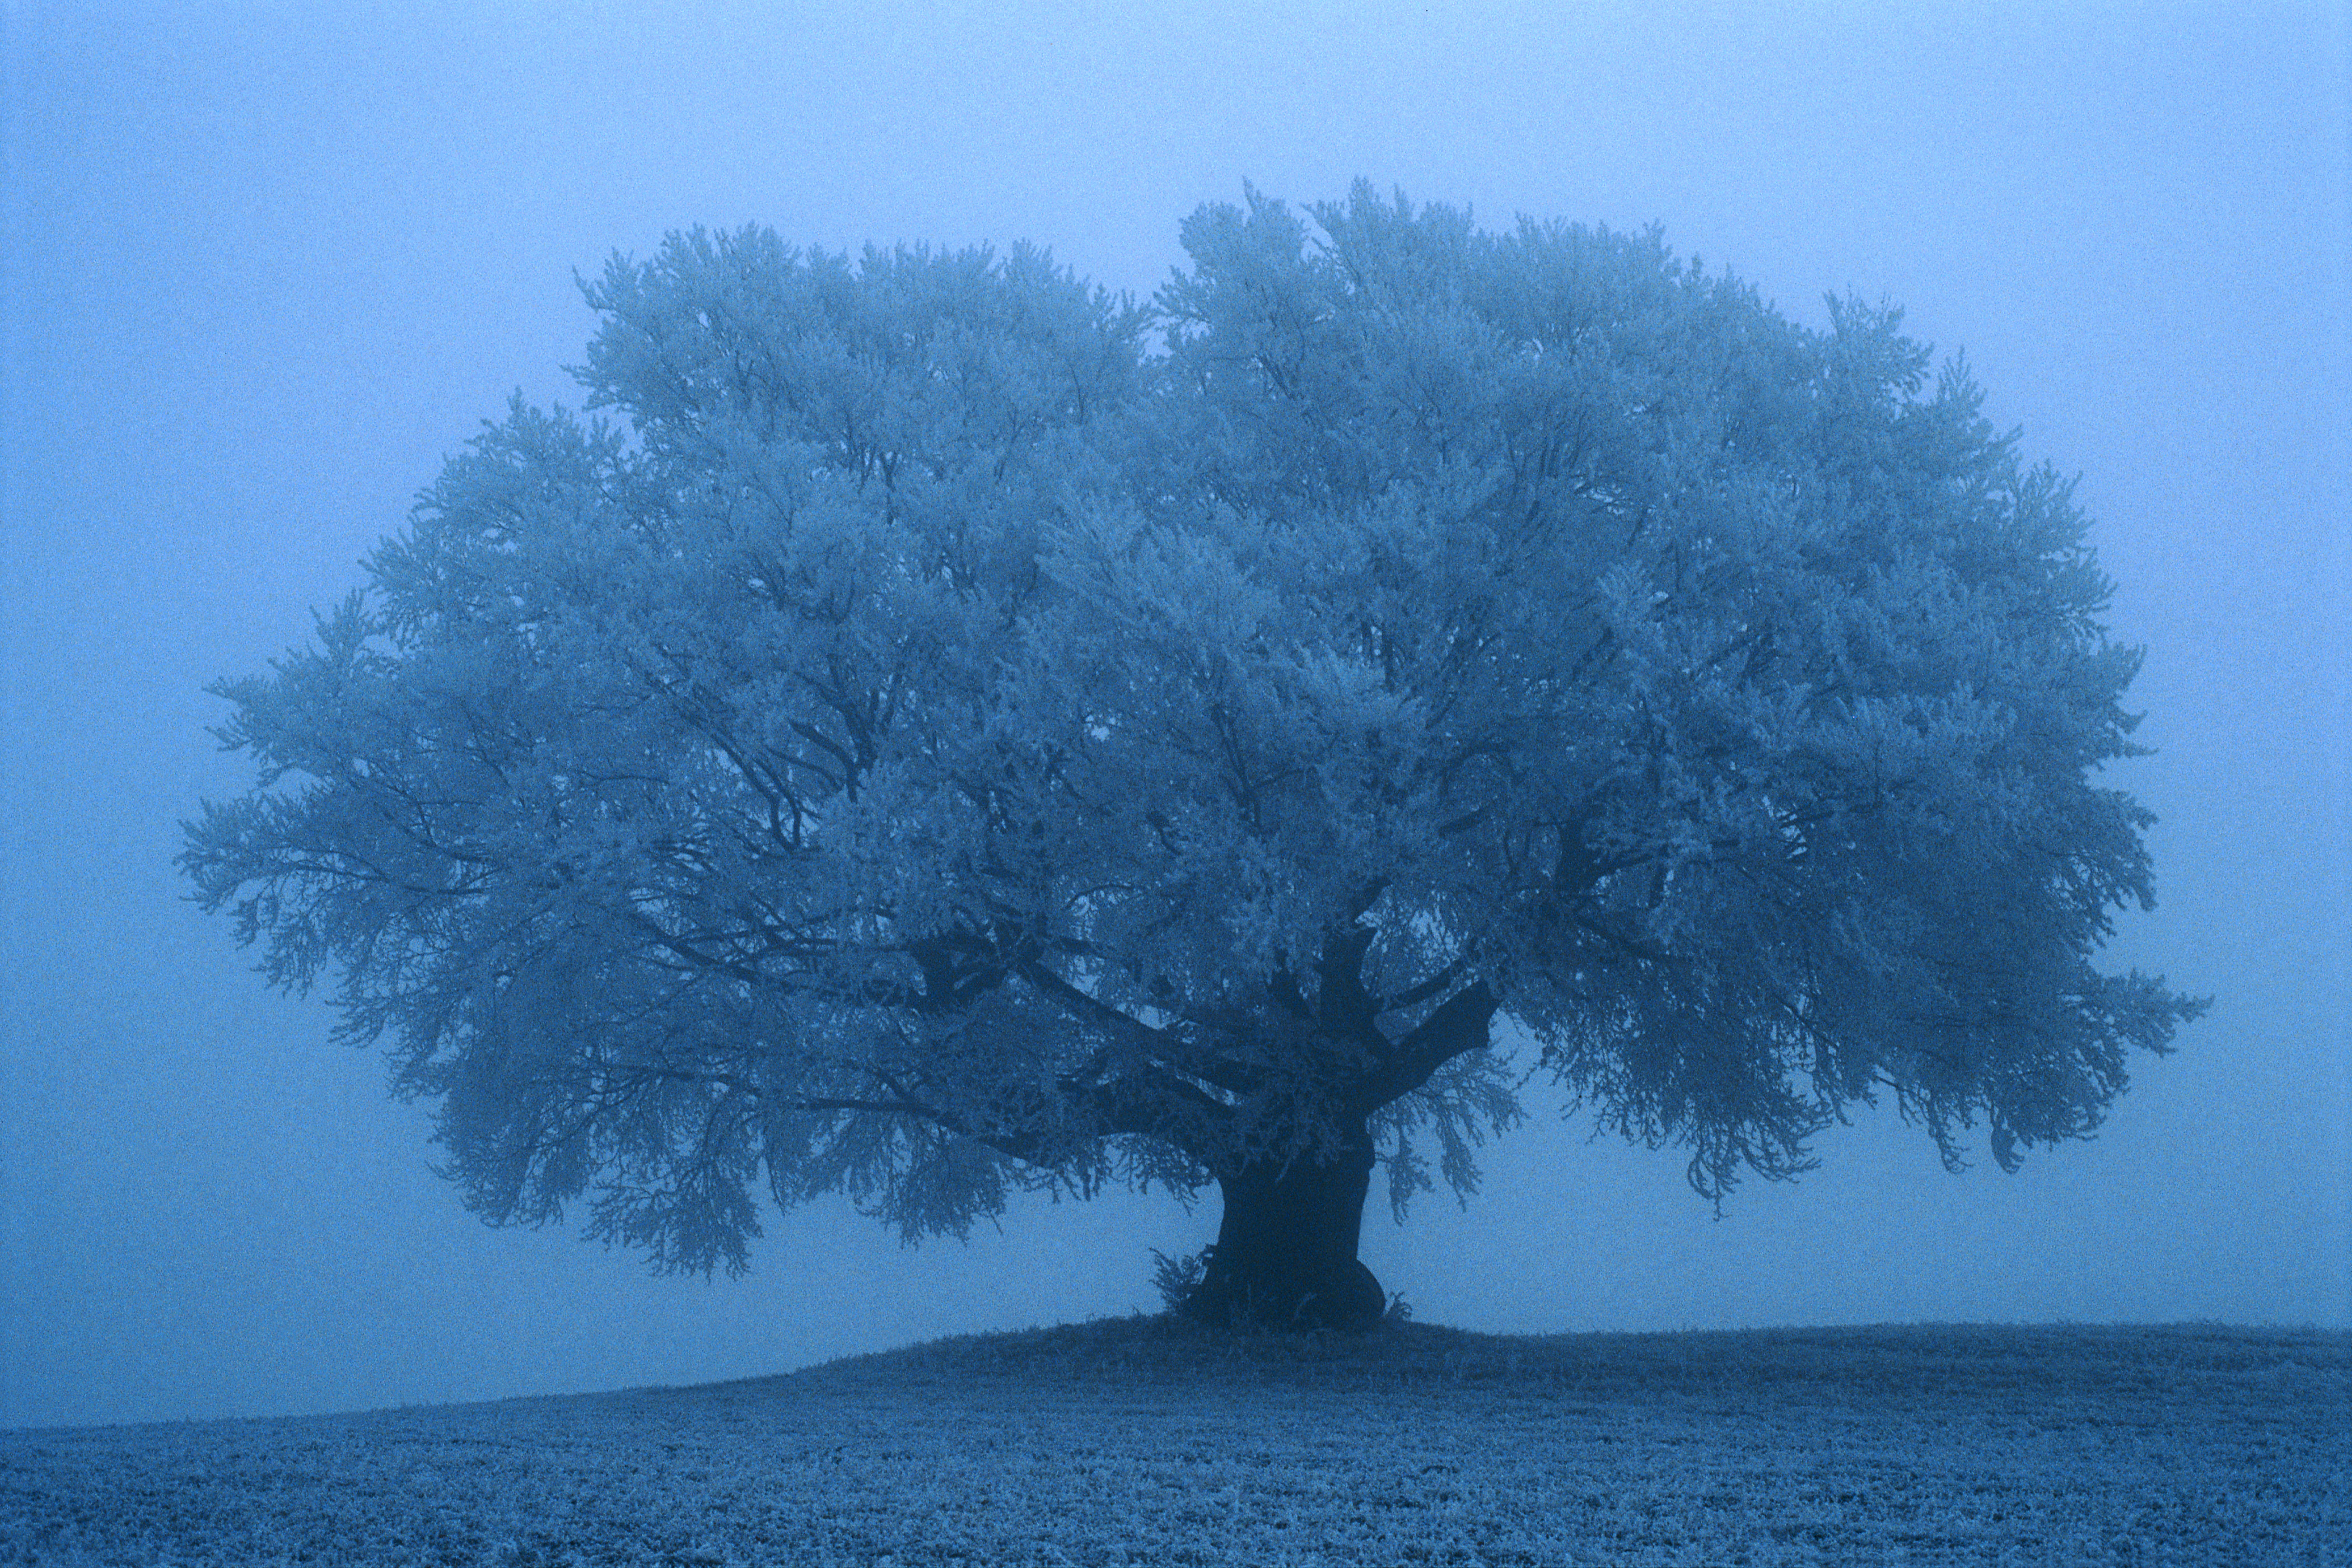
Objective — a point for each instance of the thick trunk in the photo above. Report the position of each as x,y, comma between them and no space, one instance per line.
1286,1253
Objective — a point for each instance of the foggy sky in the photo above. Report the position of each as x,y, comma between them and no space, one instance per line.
266,270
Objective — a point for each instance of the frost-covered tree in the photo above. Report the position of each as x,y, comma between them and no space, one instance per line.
956,731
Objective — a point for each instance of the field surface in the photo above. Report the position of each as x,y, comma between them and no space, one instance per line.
1140,1441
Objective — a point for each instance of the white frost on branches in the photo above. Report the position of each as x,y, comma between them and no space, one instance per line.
933,741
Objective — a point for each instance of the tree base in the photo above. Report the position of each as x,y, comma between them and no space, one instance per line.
1285,1251
1349,1299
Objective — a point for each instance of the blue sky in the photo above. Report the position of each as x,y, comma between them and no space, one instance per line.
266,266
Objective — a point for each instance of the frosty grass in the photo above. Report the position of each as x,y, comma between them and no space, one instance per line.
1138,1441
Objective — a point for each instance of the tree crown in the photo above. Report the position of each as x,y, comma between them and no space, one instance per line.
953,729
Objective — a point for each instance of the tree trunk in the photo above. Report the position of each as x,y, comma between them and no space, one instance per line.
1286,1253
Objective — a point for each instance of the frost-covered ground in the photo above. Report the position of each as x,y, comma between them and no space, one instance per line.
1136,1441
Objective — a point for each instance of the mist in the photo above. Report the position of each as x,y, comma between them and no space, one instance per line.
266,270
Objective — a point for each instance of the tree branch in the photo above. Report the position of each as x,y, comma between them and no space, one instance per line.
1153,1042
1413,996
1461,1024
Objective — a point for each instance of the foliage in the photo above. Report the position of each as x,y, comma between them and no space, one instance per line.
1177,1277
957,731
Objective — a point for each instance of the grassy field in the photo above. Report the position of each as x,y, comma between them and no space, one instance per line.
1141,1441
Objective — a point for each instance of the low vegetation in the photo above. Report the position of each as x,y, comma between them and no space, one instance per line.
1147,1440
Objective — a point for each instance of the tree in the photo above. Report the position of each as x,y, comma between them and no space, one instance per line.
958,732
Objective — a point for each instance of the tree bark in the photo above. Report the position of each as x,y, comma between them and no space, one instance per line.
1285,1255
1286,1252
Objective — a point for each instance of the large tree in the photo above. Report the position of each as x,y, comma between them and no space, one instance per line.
956,730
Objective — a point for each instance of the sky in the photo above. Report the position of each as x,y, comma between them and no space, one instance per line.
265,267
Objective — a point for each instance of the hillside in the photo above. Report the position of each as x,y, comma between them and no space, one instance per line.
1143,1440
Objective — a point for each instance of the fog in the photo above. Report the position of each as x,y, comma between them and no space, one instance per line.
267,268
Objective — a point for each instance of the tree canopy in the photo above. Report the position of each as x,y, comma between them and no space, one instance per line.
937,729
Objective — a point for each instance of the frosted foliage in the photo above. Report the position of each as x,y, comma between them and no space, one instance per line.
928,728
